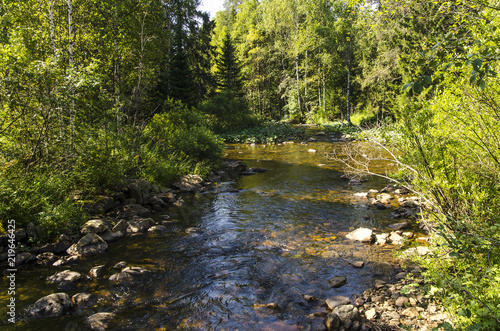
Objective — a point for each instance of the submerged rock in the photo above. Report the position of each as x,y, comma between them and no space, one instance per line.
100,321
52,305
97,271
337,281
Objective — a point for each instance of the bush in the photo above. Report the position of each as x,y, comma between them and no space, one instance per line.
266,133
178,141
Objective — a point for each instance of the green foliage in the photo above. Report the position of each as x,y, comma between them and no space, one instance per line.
227,111
269,132
178,141
41,198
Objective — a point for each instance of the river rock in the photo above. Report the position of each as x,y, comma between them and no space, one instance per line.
361,234
235,168
258,170
66,276
337,281
121,226
311,150
401,301
83,300
167,197
97,271
97,226
90,244
378,205
357,264
370,314
385,198
131,210
337,300
21,235
332,322
399,226
347,312
158,229
46,258
24,258
120,265
381,239
110,236
140,225
100,321
189,183
52,305
396,239
122,278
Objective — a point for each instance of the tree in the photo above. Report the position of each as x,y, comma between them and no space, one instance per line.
228,67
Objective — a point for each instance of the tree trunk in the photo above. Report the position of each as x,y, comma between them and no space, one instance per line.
71,63
348,115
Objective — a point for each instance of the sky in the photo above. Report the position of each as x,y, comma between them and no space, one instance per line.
211,6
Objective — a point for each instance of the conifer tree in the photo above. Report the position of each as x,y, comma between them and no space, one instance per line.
228,68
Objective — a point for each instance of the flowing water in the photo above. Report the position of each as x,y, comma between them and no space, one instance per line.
279,237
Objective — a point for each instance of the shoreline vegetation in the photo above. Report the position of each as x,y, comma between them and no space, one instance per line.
100,92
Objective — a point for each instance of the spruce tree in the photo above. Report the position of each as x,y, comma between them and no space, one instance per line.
228,68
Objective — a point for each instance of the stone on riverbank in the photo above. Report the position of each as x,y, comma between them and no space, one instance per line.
90,244
52,305
361,234
337,300
189,183
96,226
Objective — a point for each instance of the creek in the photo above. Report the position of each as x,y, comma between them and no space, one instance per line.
272,238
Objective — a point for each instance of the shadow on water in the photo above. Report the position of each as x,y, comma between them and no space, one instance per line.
281,236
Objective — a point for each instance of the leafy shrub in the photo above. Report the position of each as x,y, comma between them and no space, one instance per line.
178,141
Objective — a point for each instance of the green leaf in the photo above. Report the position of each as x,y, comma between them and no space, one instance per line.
477,63
407,86
473,78
481,83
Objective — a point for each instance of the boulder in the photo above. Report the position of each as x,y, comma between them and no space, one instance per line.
361,234
189,183
97,226
21,235
378,205
122,278
100,321
66,276
337,300
52,305
90,244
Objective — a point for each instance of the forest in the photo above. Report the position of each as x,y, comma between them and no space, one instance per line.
93,93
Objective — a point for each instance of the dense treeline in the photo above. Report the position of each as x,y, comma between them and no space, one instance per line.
94,92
